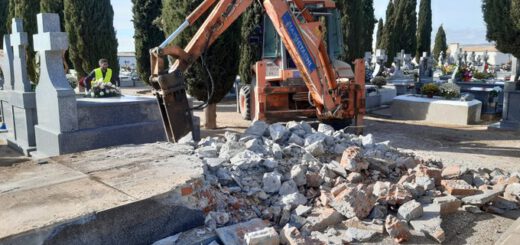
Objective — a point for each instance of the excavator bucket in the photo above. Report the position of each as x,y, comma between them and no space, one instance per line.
173,102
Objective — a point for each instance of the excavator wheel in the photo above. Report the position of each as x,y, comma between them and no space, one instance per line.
244,100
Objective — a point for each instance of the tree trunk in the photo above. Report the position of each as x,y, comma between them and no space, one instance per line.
210,116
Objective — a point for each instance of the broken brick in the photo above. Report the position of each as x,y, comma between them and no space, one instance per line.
266,236
355,201
452,172
433,173
352,161
397,229
458,188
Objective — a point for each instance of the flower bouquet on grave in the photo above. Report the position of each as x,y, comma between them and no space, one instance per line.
464,74
101,89
449,90
430,89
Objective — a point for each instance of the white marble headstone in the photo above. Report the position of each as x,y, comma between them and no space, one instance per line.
19,42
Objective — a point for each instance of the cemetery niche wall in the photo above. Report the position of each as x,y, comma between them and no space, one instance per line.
55,118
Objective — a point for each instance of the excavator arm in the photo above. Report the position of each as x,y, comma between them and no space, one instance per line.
302,36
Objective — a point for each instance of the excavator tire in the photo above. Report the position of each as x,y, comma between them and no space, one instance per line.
244,100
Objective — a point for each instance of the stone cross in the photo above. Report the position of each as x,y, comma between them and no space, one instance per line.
6,64
442,58
425,66
485,57
368,59
465,55
20,41
472,58
408,61
56,100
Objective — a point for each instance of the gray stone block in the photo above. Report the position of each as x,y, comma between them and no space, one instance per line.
440,111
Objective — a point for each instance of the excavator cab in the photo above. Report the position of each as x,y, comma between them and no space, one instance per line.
280,84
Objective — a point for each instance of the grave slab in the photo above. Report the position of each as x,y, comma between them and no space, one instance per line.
127,198
436,110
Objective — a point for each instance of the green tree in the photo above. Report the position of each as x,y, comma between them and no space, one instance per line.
54,6
408,39
424,30
379,35
351,13
440,43
90,28
27,10
4,14
369,22
146,34
10,14
222,58
388,39
503,27
250,50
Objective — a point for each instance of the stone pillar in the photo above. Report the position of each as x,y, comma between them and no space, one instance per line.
6,65
22,100
56,100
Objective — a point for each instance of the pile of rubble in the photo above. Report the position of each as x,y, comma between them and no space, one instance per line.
292,184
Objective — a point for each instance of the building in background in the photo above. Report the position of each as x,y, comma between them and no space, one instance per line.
496,58
127,60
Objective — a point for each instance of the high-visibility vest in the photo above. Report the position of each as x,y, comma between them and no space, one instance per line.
99,75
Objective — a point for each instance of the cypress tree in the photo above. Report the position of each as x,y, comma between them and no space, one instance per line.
146,34
27,10
90,28
10,14
369,22
4,14
388,38
222,57
351,21
250,50
379,35
54,6
408,38
424,30
440,43
515,12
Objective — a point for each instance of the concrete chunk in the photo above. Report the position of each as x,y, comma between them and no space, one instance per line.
449,204
266,236
272,182
234,234
430,222
481,199
410,210
321,218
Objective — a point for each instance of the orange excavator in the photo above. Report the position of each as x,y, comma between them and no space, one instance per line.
306,83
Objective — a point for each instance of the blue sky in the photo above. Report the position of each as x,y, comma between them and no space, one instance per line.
462,20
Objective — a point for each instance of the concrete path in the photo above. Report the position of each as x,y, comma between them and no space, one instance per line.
38,201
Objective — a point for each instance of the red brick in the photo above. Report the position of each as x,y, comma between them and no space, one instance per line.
434,173
451,172
186,190
459,188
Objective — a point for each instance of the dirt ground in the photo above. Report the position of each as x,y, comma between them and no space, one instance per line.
472,146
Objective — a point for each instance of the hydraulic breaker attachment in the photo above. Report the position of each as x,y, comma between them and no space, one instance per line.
174,106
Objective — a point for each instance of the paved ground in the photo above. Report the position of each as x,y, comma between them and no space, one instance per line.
71,186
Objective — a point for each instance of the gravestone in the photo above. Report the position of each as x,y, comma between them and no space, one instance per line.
71,124
22,101
425,69
379,62
6,65
442,59
511,110
403,84
408,65
55,98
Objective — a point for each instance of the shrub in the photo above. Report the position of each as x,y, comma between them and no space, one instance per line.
482,75
430,89
449,90
379,81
